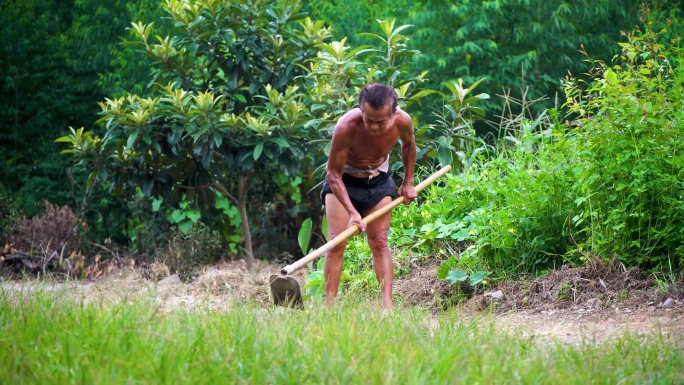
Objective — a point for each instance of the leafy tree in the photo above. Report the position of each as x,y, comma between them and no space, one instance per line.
527,45
228,113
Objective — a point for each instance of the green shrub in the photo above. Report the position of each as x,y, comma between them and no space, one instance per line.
505,213
629,166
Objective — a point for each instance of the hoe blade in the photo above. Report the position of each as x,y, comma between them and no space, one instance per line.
285,291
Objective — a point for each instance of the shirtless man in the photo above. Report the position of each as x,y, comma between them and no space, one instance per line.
358,180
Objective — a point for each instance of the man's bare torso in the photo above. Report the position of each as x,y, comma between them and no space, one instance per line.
366,150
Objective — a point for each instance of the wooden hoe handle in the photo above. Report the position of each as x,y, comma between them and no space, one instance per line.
354,229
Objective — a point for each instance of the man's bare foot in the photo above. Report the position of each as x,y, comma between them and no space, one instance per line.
386,307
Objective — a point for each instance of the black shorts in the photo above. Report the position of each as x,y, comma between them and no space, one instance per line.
363,193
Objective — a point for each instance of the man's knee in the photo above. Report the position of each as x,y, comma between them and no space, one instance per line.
338,250
378,241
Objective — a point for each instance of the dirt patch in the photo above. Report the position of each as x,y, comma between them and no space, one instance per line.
594,326
596,285
589,304
421,287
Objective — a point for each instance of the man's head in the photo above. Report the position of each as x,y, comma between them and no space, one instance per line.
378,95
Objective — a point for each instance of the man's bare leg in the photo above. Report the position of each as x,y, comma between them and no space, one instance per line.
382,259
338,218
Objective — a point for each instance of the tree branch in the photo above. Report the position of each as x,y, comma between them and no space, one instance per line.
225,192
215,185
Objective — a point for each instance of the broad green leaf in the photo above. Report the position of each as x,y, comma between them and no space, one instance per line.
131,139
156,204
477,110
446,267
176,216
401,28
257,150
91,179
102,174
461,235
194,215
374,36
451,88
359,50
476,98
304,236
206,159
477,277
330,48
218,139
65,139
282,143
185,226
455,276
444,155
222,203
422,93
474,85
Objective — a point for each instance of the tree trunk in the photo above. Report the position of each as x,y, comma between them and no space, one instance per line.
241,203
242,207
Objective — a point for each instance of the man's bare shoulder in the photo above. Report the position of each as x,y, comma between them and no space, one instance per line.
348,120
403,120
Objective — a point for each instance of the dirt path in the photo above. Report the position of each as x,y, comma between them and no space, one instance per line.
575,327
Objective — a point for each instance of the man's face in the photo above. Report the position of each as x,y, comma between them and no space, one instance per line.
376,121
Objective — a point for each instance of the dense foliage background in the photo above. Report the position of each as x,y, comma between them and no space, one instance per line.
581,159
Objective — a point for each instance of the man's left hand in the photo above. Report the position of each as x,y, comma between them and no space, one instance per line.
408,192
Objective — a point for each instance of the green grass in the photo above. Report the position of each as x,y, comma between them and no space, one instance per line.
51,337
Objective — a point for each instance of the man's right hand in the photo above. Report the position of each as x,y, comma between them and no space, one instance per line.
355,219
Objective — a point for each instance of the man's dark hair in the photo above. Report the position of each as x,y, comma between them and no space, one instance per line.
378,95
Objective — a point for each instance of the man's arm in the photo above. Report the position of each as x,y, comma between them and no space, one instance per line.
339,149
408,158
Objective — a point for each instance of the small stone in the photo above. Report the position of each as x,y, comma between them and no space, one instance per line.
496,295
668,303
594,303
172,280
652,309
628,310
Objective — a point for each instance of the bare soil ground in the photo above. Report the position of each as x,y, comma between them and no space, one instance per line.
588,304
593,303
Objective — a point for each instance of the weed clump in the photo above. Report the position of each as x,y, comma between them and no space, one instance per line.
186,251
57,230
